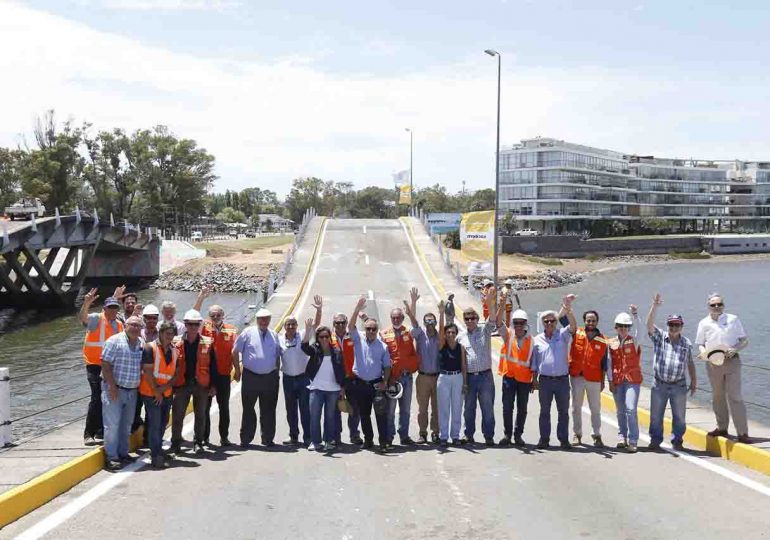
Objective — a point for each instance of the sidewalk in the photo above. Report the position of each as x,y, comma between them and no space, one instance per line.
40,468
700,418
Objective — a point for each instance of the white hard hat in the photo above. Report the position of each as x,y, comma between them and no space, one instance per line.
264,313
624,318
509,281
192,315
150,309
519,314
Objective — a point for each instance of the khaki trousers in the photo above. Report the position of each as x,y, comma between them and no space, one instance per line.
580,388
726,385
426,392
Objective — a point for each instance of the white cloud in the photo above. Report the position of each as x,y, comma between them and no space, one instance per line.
270,121
161,5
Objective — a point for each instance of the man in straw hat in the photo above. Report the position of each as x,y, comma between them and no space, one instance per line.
720,337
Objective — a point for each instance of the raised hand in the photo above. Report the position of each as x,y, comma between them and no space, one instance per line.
90,296
414,295
308,326
632,309
441,306
206,291
569,299
657,299
119,292
138,309
361,303
318,302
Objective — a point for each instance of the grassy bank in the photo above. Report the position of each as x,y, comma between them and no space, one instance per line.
231,247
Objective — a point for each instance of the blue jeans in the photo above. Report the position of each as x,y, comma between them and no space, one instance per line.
626,399
514,391
157,420
404,408
450,406
326,401
550,390
354,418
117,417
661,394
297,398
481,387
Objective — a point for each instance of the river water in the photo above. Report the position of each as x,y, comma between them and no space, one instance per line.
47,368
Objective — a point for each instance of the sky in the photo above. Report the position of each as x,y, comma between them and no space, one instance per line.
282,89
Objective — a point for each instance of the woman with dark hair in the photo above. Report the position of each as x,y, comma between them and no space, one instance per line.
452,381
326,372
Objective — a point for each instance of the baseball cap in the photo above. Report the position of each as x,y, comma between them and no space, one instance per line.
675,318
111,301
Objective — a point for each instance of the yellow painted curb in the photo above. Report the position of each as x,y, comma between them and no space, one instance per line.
25,498
743,454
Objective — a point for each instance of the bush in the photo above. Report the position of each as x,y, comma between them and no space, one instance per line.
593,257
452,239
545,261
683,255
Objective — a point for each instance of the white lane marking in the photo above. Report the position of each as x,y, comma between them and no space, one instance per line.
364,229
453,487
726,473
366,259
371,294
70,509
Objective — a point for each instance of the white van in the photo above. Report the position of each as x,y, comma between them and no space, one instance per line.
197,236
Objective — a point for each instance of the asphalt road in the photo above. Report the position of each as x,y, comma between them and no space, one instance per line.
417,492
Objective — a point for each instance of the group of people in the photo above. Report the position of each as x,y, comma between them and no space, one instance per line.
145,357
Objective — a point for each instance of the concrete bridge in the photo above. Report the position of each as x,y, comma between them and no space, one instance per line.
47,261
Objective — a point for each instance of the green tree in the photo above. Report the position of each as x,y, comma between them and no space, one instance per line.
305,193
434,199
370,203
112,173
10,176
482,199
231,215
508,224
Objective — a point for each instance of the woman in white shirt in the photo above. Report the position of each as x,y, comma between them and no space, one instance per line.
326,372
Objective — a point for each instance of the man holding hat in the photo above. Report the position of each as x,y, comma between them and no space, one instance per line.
720,337
506,299
196,379
672,354
449,308
258,348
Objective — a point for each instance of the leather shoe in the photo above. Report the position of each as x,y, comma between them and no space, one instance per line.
745,439
407,441
356,440
225,442
422,440
717,433
542,444
505,441
518,441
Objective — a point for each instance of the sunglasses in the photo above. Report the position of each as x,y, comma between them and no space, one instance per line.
470,318
192,324
430,322
374,329
549,321
340,322
720,304
674,325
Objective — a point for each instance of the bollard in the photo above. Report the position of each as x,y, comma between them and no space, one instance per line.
5,407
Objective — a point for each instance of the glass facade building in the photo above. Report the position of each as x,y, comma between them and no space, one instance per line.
555,186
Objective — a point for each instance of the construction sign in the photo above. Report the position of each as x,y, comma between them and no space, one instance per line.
477,232
405,194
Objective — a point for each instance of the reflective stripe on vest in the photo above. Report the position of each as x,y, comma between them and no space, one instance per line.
626,361
162,372
585,358
515,362
94,340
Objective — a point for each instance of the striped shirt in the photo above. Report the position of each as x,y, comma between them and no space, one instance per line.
669,358
126,361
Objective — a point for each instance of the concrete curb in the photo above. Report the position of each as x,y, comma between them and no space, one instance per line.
743,454
21,500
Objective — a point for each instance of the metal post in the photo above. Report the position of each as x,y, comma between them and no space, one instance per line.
492,52
5,407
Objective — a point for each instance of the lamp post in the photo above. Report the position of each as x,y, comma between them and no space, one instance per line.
492,52
411,154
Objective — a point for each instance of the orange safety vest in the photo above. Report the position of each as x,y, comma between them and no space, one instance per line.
94,341
202,371
403,353
515,362
348,352
585,356
224,340
626,361
162,371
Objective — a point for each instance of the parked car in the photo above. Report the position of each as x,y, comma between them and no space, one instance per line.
527,232
196,236
233,233
251,234
25,208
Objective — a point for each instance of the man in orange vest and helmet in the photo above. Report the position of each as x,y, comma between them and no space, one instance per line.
625,377
99,327
588,362
342,340
195,379
514,367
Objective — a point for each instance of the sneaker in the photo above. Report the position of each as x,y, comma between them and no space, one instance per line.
292,441
99,437
621,444
89,441
467,440
311,447
505,441
198,448
577,440
489,442
158,462
443,443
565,445
678,445
422,440
632,448
717,433
356,440
598,443
434,438
518,441
542,444
407,441
113,465
225,442
745,439
654,446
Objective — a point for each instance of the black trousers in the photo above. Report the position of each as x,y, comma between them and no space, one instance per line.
362,394
262,388
94,426
222,384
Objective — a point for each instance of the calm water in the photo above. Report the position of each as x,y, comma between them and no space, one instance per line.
30,346
46,364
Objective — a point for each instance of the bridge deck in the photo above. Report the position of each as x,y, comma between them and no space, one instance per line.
411,493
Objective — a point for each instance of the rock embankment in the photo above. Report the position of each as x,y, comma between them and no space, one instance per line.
222,277
543,279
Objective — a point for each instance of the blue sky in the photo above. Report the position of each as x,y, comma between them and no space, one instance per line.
283,89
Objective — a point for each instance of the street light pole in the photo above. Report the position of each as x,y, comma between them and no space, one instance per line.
411,156
492,52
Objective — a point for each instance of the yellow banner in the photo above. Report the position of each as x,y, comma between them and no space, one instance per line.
477,231
405,196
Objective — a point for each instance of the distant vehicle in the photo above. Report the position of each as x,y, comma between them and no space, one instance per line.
196,236
25,208
251,234
233,233
527,232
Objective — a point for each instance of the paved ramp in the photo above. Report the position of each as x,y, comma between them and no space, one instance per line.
417,492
